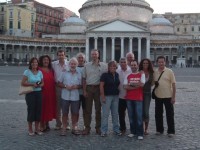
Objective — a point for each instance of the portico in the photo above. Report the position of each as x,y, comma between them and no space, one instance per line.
117,37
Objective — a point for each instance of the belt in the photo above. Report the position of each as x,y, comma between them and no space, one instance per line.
93,85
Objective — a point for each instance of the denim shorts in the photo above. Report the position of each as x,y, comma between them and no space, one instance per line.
74,106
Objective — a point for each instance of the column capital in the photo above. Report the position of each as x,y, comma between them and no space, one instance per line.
139,38
121,37
130,38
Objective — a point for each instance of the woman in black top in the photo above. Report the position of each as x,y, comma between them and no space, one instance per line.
109,92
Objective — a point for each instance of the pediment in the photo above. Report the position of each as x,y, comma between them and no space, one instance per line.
117,26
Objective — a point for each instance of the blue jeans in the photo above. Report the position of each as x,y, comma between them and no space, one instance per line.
110,104
135,117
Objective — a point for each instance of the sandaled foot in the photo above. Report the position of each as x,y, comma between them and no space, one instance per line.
76,132
38,133
31,133
63,132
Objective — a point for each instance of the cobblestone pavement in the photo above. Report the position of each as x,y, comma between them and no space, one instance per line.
13,126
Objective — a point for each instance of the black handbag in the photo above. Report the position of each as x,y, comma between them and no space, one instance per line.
153,95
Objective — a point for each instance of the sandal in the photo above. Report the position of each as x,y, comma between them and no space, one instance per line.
63,132
76,132
31,133
38,133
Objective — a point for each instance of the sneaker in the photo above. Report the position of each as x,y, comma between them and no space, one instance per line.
68,127
118,133
103,134
57,128
31,133
159,133
38,133
131,135
170,135
140,138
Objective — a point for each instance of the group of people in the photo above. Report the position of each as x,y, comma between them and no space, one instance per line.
62,86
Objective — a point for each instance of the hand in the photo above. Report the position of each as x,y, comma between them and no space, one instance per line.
103,99
173,100
35,85
68,87
73,87
85,94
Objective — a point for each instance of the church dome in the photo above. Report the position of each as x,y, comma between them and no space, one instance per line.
105,10
73,24
159,24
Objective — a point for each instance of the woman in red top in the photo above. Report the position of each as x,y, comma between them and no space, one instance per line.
48,93
133,83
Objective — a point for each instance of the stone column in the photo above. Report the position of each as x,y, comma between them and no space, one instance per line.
5,53
170,55
139,49
104,49
95,42
186,55
130,44
28,54
87,50
154,52
122,47
148,48
113,48
13,54
193,56
20,54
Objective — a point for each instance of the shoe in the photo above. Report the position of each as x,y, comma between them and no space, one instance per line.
118,133
103,134
131,135
123,132
31,133
98,131
146,132
76,132
85,132
57,128
63,132
170,135
140,138
159,133
68,127
38,133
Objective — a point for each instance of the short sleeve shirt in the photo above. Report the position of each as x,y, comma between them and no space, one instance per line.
33,78
164,90
122,75
58,69
111,83
70,79
92,72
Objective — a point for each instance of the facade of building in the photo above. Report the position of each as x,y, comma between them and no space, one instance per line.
17,20
116,27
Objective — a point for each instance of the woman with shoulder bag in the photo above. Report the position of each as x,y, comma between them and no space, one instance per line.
33,77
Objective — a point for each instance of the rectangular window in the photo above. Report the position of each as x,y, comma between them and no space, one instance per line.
32,17
32,27
185,29
2,8
19,17
198,58
199,28
10,24
178,29
11,14
49,13
19,24
193,29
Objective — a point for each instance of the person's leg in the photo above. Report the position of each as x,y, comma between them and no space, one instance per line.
130,108
82,103
122,114
159,115
138,118
88,110
58,108
169,107
38,109
114,112
65,111
97,109
75,114
146,106
105,114
30,101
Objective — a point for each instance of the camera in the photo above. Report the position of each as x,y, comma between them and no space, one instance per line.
156,84
38,83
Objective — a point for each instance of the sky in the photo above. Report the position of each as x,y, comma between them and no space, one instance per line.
159,6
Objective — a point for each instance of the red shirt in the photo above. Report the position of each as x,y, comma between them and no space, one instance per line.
135,94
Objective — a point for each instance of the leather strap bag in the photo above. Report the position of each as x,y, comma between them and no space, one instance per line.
153,95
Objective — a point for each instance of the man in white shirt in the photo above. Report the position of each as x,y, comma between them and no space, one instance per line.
59,66
123,71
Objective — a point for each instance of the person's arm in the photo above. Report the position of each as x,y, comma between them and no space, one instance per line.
173,100
127,86
102,92
24,82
